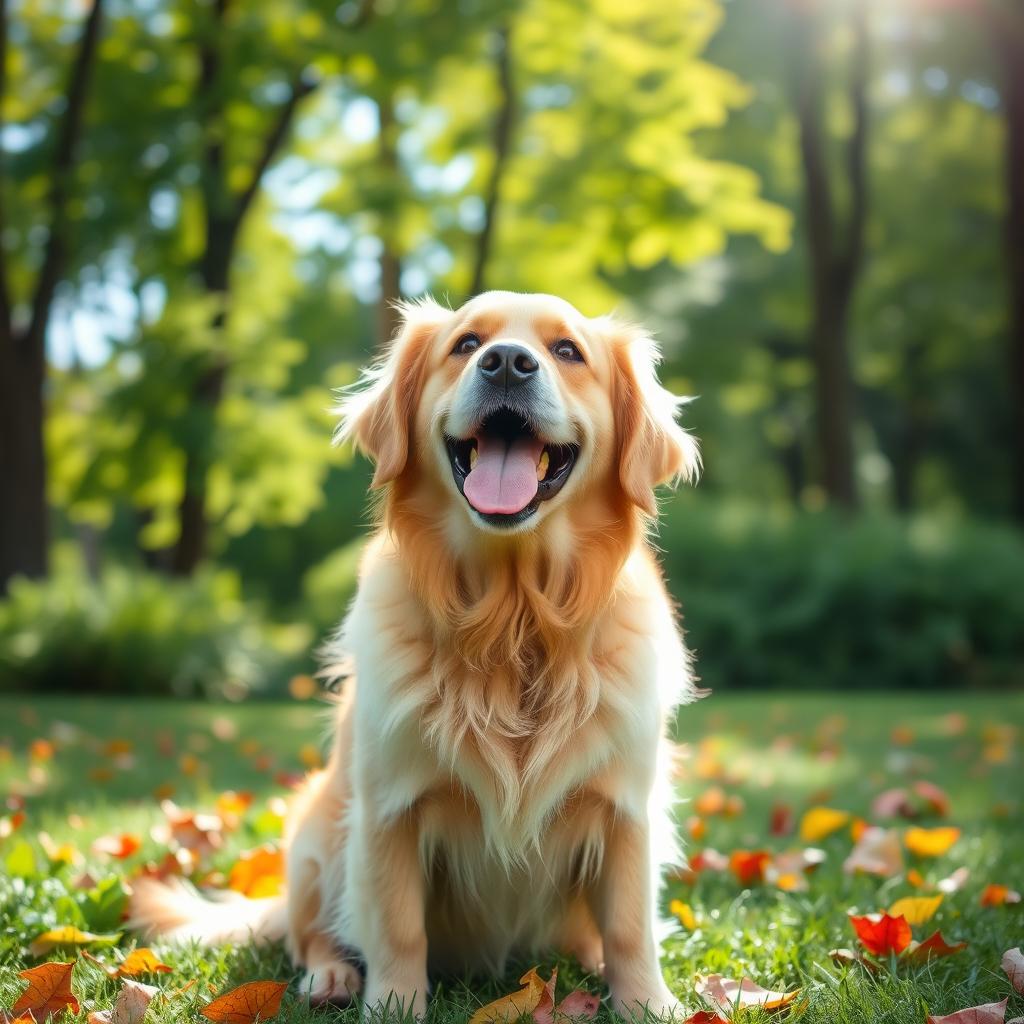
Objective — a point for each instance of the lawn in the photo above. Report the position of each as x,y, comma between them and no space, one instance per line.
73,771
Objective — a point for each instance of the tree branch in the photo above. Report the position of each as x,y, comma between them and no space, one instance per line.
302,85
501,144
62,170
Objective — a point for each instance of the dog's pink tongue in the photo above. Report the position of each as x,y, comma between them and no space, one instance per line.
504,479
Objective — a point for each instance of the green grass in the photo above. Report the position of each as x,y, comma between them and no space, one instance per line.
794,750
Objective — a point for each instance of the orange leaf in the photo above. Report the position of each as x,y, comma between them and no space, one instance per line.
748,865
934,946
989,1013
258,873
1013,964
514,1005
119,846
881,934
930,842
998,896
243,1005
48,992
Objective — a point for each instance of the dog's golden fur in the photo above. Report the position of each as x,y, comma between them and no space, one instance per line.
499,773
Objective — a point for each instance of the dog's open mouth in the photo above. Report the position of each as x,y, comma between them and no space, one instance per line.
506,470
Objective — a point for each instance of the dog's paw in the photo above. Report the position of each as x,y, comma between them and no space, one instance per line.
394,1004
334,981
658,1006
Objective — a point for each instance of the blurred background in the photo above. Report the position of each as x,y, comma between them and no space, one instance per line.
208,206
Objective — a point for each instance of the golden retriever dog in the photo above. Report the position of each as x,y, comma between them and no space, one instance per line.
500,775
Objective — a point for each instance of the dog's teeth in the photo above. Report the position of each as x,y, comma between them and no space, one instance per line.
542,465
472,457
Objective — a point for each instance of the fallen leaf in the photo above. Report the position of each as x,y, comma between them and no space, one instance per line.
847,957
781,823
749,865
68,936
48,992
820,822
119,846
516,1004
930,842
934,798
258,873
685,914
705,1017
877,853
1013,964
728,995
955,882
138,961
243,1005
578,1005
998,896
989,1013
916,909
881,934
933,947
129,1006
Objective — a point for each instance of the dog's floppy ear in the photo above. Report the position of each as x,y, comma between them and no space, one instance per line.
377,413
652,448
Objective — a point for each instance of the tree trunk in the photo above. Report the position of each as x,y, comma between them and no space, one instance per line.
225,215
24,514
23,510
835,258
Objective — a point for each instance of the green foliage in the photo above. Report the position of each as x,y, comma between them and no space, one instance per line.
138,632
814,602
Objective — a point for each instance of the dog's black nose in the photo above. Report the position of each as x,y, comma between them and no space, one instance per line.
507,365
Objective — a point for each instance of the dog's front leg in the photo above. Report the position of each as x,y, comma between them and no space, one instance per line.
624,907
393,939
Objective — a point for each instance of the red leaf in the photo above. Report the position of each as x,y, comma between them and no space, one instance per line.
934,946
989,1013
748,865
244,1004
881,934
782,820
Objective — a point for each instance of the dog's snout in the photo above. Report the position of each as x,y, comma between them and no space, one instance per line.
506,364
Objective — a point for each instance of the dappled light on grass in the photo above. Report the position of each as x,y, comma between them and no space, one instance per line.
794,839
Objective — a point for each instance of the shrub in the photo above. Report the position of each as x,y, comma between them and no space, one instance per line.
132,631
815,602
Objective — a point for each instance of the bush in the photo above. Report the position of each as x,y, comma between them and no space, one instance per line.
814,602
138,632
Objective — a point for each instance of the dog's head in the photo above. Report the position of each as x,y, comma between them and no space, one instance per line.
515,408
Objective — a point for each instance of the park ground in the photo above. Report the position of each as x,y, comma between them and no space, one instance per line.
74,771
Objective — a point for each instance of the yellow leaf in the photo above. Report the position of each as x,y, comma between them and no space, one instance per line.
685,914
930,842
916,909
67,936
513,1006
819,822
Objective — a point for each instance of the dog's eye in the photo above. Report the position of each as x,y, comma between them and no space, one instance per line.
567,351
466,344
